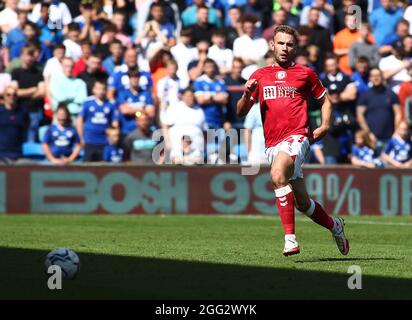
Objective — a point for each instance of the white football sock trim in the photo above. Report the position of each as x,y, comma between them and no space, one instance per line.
311,209
281,192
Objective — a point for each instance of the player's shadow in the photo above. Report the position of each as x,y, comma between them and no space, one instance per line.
22,276
346,259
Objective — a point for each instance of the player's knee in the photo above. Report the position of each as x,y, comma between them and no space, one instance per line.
278,178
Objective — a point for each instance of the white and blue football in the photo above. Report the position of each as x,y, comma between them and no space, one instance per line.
66,259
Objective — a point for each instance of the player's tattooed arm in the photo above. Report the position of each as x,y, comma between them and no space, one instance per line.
246,102
326,108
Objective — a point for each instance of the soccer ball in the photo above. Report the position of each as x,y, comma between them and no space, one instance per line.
66,259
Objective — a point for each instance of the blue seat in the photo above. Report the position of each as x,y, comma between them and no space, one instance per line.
42,132
33,151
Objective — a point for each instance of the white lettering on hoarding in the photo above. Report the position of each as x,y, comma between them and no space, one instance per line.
155,192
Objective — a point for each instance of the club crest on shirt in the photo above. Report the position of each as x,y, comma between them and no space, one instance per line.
280,75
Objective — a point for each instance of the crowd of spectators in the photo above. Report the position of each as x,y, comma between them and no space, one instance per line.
92,81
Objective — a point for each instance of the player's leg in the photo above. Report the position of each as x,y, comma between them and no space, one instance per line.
281,171
315,211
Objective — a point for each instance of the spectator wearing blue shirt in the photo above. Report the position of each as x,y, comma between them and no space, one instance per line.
134,100
211,94
96,116
113,152
384,19
91,29
115,59
363,152
119,80
30,35
15,38
157,11
50,33
14,122
402,30
361,75
378,111
398,151
189,15
61,142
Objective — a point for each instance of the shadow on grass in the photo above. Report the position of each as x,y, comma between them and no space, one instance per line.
22,276
345,259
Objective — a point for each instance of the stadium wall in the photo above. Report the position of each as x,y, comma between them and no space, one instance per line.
194,190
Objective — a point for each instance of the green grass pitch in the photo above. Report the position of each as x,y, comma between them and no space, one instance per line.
203,257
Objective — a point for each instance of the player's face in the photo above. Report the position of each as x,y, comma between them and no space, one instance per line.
283,47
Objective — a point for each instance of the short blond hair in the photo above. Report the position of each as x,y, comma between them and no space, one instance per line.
288,30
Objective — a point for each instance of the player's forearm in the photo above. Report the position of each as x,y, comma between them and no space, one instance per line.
326,112
244,105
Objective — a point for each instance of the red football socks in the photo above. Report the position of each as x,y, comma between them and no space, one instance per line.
320,216
285,202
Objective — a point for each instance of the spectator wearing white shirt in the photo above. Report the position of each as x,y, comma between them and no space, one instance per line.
184,53
394,67
185,118
72,43
8,16
53,66
187,155
248,47
168,89
219,53
59,14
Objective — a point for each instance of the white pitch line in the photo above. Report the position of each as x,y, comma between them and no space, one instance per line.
403,224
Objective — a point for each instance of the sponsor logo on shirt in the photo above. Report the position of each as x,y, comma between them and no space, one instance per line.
277,92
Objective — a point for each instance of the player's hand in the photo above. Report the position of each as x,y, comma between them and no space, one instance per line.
319,133
250,86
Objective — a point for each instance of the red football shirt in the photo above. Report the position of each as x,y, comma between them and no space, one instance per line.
282,94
